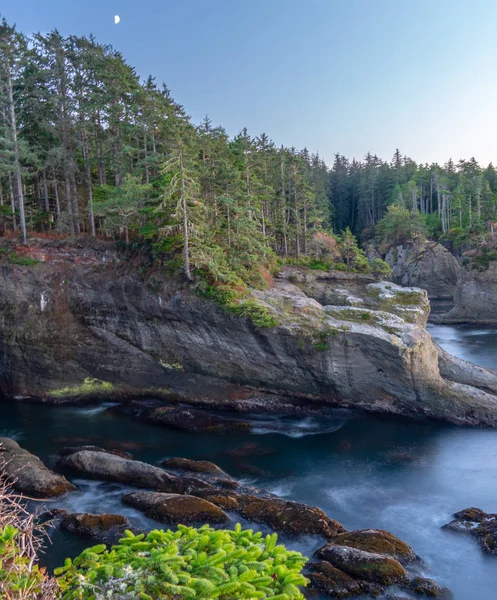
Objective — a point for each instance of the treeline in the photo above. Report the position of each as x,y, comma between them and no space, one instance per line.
88,148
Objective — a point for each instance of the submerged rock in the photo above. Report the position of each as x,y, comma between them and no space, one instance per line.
197,421
174,509
28,474
478,523
105,528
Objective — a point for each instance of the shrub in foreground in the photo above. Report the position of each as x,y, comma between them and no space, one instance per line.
187,563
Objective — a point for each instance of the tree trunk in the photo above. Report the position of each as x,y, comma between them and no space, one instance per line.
185,220
17,164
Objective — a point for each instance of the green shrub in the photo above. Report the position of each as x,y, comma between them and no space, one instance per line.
259,315
88,387
235,298
188,563
379,268
20,577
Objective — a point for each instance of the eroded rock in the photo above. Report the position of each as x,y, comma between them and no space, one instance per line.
28,474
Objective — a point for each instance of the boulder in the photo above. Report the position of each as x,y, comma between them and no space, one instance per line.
329,580
377,541
479,524
174,509
370,566
288,517
68,450
105,528
194,466
28,474
109,467
424,586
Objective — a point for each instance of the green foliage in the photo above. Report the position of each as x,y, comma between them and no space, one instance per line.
482,259
259,315
17,259
188,563
400,225
352,255
87,388
19,577
379,268
235,298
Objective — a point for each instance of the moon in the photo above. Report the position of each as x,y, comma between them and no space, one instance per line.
117,18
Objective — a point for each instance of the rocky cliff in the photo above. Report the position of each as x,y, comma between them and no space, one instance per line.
427,265
343,340
475,298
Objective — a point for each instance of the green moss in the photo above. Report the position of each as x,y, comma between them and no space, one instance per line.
18,259
88,387
259,315
236,299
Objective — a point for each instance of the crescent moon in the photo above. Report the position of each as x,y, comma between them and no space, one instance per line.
117,18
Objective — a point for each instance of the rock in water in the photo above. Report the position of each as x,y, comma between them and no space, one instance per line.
478,523
194,466
104,528
329,580
174,509
377,541
109,467
28,474
376,568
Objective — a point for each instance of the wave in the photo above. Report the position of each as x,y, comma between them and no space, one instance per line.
94,410
297,429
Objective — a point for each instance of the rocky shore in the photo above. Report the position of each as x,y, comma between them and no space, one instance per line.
348,563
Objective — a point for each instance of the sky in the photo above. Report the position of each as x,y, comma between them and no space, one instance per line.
347,76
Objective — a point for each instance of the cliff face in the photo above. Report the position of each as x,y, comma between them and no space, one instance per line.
343,340
475,297
427,265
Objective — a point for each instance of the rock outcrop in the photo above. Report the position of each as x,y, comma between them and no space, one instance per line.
28,474
481,525
475,297
427,265
73,332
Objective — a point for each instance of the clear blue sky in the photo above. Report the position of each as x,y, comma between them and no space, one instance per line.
342,76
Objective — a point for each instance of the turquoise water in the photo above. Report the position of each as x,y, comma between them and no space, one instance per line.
404,476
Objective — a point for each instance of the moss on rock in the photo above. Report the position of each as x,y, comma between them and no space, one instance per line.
377,541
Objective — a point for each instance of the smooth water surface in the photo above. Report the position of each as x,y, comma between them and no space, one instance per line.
404,476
